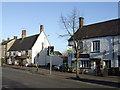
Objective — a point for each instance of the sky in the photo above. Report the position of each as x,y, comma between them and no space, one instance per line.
18,16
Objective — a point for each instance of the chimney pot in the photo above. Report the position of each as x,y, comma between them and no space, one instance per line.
23,34
8,38
81,22
15,37
41,28
3,40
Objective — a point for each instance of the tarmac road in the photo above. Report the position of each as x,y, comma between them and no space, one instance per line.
13,78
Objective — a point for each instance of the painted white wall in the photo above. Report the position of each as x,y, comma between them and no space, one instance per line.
40,55
9,61
105,44
116,40
110,44
37,48
40,47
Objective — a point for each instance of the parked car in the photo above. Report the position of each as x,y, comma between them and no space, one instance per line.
60,67
63,67
72,69
57,67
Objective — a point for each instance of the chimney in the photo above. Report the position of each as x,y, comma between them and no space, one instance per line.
15,37
23,34
8,38
81,22
3,40
41,28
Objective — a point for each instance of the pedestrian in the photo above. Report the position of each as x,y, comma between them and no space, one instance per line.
36,67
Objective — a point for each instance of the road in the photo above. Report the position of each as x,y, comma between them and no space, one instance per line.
13,78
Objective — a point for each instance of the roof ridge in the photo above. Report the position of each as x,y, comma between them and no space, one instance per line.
29,36
24,44
101,22
98,29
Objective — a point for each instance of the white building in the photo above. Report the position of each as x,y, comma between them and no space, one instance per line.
32,50
101,42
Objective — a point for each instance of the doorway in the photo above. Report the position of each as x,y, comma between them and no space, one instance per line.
98,70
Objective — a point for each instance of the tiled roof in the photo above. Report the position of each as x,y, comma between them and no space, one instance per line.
57,53
107,28
24,44
5,42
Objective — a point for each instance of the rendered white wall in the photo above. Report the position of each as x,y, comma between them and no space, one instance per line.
111,44
37,48
43,58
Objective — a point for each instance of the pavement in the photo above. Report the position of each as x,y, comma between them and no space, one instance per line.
14,78
43,71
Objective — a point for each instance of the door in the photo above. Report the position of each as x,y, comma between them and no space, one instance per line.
98,71
118,61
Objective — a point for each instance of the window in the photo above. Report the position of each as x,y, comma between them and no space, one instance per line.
108,63
119,61
70,43
96,46
9,53
85,63
26,52
81,47
13,53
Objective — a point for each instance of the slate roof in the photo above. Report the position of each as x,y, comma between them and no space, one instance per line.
102,29
58,53
5,42
24,44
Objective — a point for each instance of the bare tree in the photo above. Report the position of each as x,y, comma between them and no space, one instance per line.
71,25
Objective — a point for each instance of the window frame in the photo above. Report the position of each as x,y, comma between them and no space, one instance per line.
85,64
26,52
96,46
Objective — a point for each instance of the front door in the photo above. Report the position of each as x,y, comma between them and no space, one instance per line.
98,71
118,61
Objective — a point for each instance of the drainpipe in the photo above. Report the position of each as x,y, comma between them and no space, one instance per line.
113,51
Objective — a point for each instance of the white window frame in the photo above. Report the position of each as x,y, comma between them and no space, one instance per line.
96,46
85,64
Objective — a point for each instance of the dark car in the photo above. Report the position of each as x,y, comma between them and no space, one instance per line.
63,68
